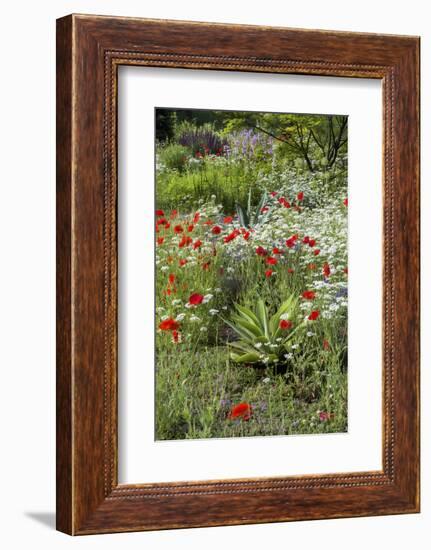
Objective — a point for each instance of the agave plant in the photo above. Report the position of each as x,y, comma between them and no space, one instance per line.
263,339
249,217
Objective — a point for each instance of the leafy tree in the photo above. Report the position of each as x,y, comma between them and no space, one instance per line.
165,124
313,137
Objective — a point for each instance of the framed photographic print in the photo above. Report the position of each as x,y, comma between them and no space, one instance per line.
237,274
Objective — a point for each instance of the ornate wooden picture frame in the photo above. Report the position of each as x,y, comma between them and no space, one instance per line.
89,51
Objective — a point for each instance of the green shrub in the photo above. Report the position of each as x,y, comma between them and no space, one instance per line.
201,140
174,157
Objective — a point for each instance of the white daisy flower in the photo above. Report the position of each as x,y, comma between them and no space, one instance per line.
207,298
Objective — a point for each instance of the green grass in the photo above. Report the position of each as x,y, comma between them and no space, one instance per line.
229,183
194,394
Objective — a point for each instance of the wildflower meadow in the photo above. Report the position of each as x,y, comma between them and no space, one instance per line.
251,274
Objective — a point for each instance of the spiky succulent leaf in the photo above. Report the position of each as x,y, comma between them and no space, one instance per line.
248,314
262,315
247,325
246,358
243,346
261,204
241,331
288,306
243,217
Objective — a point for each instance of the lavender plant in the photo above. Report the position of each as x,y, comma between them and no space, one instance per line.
249,145
202,140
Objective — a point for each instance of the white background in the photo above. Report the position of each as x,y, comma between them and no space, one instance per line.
27,274
141,458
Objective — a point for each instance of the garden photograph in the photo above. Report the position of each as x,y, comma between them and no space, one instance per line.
251,273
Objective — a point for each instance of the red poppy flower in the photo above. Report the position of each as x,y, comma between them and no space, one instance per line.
260,251
231,236
206,265
290,270
197,244
196,217
162,221
300,196
246,235
325,345
190,228
326,269
160,240
169,324
314,315
182,262
316,252
185,241
171,278
276,250
268,273
285,324
273,193
325,416
311,243
271,260
345,202
308,295
196,299
175,337
290,243
208,222
160,213
174,214
306,239
228,219
264,209
284,202
243,411
216,230
178,229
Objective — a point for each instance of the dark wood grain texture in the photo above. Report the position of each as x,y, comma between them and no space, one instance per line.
64,495
89,51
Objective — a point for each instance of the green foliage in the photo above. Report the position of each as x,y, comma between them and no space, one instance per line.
249,217
317,139
194,394
174,157
262,338
202,139
165,124
228,182
203,371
